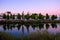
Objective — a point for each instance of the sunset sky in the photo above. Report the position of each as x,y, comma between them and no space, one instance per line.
43,6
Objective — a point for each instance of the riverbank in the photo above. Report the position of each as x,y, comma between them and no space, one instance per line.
29,21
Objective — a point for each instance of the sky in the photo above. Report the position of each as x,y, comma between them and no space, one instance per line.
36,6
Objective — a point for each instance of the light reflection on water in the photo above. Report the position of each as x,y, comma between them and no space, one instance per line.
18,29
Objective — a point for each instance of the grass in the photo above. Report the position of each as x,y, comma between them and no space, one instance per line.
32,36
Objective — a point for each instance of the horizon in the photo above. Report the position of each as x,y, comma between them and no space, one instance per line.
51,7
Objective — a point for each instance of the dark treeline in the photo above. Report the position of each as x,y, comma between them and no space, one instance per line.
36,16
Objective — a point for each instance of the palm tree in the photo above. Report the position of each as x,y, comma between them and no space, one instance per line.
7,16
13,16
18,16
4,16
41,16
27,16
34,16
53,17
47,16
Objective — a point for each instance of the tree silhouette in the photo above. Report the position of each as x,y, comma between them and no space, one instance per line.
53,17
13,17
27,16
4,16
32,16
47,16
8,16
18,16
41,16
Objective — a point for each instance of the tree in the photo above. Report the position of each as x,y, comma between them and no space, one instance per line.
4,16
47,16
18,16
41,16
53,17
33,16
27,16
8,16
13,17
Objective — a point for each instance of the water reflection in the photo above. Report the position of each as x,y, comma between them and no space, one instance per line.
47,26
4,26
18,26
41,25
26,27
54,25
34,26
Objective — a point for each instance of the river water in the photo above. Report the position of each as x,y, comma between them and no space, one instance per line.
18,29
